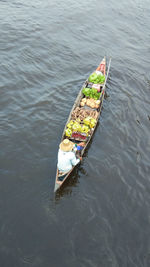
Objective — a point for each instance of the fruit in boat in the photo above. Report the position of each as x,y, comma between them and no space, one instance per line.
87,121
84,99
68,132
82,104
92,105
84,129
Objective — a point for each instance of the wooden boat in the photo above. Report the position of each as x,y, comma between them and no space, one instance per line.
104,69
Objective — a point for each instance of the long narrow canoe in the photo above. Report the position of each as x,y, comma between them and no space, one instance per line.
61,177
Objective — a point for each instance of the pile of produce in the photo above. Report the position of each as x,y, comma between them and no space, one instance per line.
97,78
90,102
91,93
77,130
79,136
90,122
80,114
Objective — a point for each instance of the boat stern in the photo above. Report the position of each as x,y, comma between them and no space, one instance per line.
57,186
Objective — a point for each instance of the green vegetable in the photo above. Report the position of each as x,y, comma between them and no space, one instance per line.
96,78
101,78
93,77
91,92
86,91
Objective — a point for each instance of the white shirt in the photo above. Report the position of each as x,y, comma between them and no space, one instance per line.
66,160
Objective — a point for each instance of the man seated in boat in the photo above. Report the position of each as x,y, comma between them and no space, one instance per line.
66,156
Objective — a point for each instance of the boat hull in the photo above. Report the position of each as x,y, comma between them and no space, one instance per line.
60,179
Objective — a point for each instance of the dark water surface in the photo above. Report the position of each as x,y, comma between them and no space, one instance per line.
102,215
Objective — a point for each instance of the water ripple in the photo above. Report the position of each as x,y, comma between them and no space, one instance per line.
48,49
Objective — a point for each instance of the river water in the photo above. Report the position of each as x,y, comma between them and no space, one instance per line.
101,217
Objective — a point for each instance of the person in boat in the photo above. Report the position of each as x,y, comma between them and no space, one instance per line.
66,155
